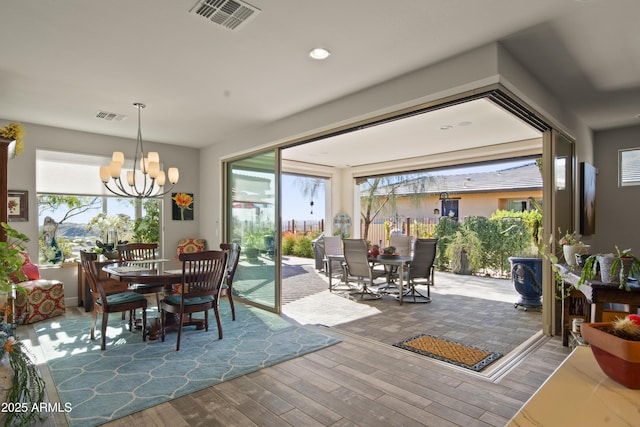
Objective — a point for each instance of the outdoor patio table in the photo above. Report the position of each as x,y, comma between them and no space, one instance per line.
398,261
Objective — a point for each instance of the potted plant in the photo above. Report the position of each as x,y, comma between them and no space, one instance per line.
25,384
616,347
251,245
614,268
572,245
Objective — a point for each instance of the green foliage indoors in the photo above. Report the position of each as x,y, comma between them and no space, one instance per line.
10,259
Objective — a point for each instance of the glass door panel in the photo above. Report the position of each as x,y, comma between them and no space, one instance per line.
252,220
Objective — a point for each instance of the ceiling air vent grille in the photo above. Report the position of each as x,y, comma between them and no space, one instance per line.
231,14
105,115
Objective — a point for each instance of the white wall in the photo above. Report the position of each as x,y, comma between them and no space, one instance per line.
616,207
481,67
22,176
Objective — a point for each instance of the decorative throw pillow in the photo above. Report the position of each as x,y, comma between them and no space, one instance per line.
190,245
29,271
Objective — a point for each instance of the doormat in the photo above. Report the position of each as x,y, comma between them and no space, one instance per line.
448,351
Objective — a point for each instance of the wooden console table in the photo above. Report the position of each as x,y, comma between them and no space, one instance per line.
588,301
578,393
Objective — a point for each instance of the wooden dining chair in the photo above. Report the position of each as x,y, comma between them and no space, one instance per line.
141,252
202,276
357,266
232,264
119,302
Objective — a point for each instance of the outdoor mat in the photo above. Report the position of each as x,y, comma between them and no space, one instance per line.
132,375
448,351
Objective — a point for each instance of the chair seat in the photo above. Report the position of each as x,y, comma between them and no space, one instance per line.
124,297
175,300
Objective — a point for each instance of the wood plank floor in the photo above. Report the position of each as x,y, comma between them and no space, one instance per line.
364,381
359,382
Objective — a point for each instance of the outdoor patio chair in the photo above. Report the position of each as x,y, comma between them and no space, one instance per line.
420,271
402,243
332,246
357,266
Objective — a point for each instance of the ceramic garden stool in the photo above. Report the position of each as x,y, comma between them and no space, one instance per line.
44,299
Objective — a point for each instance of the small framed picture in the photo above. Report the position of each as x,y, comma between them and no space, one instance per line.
182,206
18,208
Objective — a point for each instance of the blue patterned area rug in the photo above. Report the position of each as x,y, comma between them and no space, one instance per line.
132,375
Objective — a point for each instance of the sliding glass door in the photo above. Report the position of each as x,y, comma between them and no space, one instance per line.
252,219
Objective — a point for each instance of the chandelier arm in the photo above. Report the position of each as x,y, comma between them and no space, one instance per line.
114,192
163,193
148,184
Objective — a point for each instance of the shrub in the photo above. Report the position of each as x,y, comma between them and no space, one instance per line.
445,232
303,247
288,241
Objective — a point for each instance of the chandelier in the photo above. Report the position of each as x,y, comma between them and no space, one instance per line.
148,181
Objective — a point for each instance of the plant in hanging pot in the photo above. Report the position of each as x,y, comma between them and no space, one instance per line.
614,268
616,347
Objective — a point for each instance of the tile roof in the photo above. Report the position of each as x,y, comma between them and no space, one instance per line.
525,177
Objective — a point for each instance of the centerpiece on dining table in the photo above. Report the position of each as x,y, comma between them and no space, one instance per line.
389,252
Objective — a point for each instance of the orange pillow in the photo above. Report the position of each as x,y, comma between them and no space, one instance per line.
29,271
190,245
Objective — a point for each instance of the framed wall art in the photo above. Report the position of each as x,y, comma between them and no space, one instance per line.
17,205
182,206
587,199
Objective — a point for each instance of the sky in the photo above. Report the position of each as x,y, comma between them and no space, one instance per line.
295,205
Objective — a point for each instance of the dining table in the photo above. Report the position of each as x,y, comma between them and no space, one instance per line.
399,261
163,273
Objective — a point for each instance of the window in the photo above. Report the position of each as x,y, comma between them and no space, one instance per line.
629,167
520,205
74,212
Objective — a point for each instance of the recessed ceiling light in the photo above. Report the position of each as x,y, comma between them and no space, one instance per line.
319,53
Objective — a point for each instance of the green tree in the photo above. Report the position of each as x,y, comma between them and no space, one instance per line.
445,232
379,195
75,205
146,229
50,246
487,234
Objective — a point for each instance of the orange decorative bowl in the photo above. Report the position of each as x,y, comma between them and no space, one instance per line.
617,357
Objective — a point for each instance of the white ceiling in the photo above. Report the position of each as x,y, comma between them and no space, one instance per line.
63,61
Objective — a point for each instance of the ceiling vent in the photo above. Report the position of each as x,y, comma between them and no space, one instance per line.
231,14
111,117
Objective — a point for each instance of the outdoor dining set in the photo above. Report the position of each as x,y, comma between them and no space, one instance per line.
368,275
